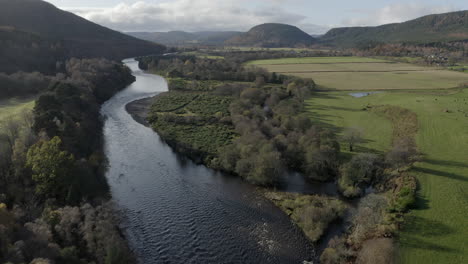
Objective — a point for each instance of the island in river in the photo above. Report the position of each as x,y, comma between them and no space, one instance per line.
254,124
177,211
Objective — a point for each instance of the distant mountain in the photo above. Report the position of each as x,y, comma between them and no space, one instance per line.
181,38
432,28
272,35
38,25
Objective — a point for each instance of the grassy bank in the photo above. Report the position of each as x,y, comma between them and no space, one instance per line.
435,230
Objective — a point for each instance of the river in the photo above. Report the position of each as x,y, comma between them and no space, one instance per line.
175,211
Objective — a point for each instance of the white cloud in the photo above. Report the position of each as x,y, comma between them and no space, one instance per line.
194,15
395,13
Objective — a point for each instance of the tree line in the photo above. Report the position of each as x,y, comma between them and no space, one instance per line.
53,193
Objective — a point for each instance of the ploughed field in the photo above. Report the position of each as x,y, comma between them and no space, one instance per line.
436,230
359,73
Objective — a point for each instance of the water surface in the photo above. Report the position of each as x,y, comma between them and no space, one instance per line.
176,211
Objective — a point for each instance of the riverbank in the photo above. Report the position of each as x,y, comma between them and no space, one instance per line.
316,215
139,110
175,210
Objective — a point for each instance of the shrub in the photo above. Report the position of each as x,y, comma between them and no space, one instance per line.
378,250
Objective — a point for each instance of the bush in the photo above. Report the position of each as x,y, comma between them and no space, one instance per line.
311,213
368,219
379,250
330,256
362,168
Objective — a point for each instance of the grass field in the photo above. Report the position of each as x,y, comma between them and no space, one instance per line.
13,107
323,60
357,73
271,49
436,231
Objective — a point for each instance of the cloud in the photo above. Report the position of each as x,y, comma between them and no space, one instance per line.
195,15
395,13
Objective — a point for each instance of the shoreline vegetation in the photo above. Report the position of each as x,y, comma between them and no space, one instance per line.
54,199
252,123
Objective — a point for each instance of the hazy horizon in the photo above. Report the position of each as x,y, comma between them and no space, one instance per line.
241,15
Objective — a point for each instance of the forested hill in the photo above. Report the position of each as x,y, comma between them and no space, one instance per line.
59,35
272,35
428,29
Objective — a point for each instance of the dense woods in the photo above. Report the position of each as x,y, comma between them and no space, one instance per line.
266,133
52,188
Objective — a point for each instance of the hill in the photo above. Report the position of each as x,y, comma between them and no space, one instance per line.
428,29
27,52
181,38
26,24
272,35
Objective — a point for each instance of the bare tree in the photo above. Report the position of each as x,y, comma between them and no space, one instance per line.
354,136
403,153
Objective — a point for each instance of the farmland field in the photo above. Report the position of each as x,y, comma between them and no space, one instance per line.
353,73
435,231
324,60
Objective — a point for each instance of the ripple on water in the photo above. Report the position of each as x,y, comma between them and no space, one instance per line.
175,211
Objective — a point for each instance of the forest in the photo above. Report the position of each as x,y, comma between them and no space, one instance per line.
54,204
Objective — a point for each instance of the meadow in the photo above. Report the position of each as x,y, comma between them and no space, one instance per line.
358,73
10,108
435,231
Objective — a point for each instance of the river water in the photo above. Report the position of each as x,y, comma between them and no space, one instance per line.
175,211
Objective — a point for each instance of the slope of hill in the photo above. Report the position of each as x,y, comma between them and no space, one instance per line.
27,52
272,35
432,28
61,35
181,38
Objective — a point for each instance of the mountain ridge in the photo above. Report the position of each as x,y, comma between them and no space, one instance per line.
74,36
452,26
272,35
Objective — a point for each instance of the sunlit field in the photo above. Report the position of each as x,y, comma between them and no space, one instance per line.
354,73
435,231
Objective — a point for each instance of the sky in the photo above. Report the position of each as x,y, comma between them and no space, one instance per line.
312,16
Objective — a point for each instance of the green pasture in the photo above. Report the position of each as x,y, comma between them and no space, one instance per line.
359,73
308,60
432,79
436,230
345,67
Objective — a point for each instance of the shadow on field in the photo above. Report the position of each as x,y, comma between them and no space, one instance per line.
426,227
413,242
415,225
420,202
447,163
440,173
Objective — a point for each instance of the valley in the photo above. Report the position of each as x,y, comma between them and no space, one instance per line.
233,132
